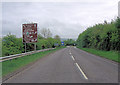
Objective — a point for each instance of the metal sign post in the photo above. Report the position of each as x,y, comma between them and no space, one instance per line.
34,46
25,47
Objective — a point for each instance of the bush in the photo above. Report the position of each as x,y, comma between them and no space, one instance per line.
101,36
12,45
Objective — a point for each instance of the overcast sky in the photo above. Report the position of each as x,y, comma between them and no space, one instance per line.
66,19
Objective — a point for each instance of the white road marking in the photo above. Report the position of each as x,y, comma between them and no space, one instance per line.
81,71
73,58
70,53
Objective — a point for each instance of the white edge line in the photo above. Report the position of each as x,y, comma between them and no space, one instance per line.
81,71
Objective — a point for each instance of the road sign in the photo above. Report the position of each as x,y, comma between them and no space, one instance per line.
62,43
30,33
55,44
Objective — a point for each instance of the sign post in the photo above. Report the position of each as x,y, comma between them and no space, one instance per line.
35,47
30,34
25,47
62,43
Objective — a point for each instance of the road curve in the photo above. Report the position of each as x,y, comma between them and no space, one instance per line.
69,65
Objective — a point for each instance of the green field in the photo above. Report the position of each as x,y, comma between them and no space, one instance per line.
112,55
15,64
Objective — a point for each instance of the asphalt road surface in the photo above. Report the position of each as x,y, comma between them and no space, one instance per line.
69,65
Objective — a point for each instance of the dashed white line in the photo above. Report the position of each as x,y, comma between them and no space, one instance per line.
79,67
74,47
81,71
73,58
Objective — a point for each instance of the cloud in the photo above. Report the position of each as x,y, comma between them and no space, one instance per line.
66,19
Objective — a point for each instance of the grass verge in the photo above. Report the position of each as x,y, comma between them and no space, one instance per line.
112,55
15,64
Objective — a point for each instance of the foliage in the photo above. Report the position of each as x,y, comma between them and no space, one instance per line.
101,36
0,47
57,37
13,45
69,42
46,33
40,36
105,54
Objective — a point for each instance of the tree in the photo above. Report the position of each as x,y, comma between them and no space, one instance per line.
46,33
11,45
70,42
104,36
57,37
118,23
49,34
40,36
105,22
118,29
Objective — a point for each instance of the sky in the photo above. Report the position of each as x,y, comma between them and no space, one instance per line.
66,19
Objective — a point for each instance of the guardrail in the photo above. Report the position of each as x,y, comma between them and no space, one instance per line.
22,54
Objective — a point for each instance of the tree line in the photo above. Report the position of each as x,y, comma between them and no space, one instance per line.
70,42
105,36
13,45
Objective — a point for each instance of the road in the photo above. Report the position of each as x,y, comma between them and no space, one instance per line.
69,65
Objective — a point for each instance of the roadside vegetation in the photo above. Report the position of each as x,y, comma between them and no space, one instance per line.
10,66
0,46
13,45
112,55
70,42
102,39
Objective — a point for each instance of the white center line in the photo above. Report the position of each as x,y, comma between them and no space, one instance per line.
70,53
81,71
73,58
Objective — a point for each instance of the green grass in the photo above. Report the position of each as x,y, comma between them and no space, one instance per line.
15,64
112,55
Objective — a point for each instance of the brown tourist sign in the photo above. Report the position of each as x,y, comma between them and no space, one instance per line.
29,33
